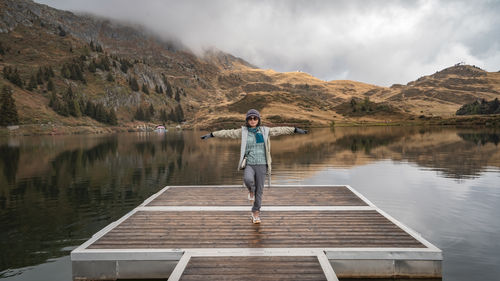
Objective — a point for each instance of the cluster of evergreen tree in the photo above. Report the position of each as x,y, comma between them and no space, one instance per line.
74,70
42,75
158,89
125,65
363,106
99,113
72,105
480,107
367,106
103,64
95,47
163,115
62,32
147,113
8,110
12,74
177,115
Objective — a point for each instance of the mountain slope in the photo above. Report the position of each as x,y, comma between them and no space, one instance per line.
213,90
442,93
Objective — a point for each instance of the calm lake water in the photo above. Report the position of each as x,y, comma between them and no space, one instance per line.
56,191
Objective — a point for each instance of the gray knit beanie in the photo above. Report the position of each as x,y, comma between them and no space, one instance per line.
253,112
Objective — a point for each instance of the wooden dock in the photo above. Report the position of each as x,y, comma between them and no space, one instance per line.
205,233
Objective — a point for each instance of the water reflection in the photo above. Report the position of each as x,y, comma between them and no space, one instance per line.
481,138
447,151
55,192
10,161
366,143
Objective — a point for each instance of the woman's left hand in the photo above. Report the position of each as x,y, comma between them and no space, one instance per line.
300,131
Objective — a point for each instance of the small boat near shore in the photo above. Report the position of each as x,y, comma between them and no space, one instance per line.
160,129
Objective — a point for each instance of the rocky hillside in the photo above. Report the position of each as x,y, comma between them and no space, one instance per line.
442,93
68,70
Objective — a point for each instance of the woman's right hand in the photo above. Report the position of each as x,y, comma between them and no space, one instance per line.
204,137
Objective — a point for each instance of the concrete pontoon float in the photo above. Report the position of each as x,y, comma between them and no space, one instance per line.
308,232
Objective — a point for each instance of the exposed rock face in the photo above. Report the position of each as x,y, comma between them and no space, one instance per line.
87,28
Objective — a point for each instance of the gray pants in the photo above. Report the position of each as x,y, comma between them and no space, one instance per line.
254,178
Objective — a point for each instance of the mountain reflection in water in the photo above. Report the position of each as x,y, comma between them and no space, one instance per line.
55,192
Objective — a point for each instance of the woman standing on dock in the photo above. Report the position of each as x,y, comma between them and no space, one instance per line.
255,154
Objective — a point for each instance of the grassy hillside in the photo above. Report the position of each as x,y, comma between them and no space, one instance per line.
127,70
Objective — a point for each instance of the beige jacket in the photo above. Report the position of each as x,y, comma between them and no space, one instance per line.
243,134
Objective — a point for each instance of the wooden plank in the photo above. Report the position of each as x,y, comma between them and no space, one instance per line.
253,268
299,224
233,229
275,196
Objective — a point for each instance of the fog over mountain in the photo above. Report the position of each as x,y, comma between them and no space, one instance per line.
379,42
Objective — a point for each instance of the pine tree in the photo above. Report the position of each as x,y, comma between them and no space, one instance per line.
74,108
90,109
51,72
170,93
125,65
139,114
171,116
179,113
100,112
163,115
13,76
145,89
57,105
39,76
8,110
78,73
72,103
46,73
112,120
65,71
110,77
52,99
151,111
62,32
50,85
92,66
177,95
32,84
133,84
104,63
6,72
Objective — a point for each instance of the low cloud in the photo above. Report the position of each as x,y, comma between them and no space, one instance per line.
378,42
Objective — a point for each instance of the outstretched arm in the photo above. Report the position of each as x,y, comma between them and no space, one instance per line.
278,131
232,134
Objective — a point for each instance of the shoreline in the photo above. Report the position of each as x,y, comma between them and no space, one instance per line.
490,121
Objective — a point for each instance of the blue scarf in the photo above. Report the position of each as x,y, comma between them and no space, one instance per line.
259,138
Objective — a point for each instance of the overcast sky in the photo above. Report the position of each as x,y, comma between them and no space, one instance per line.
379,42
